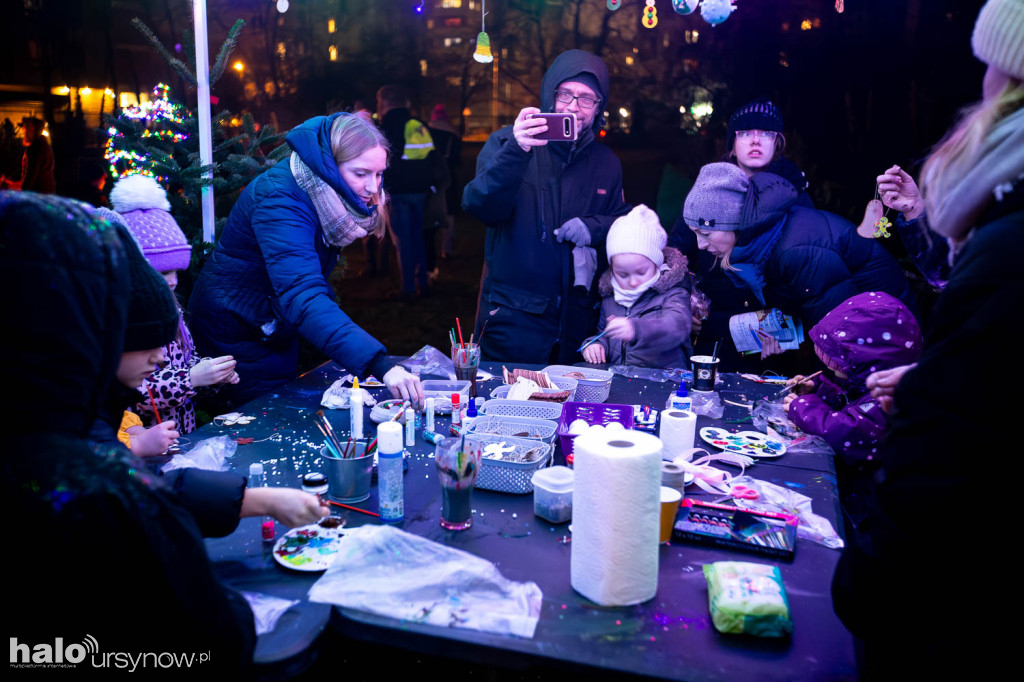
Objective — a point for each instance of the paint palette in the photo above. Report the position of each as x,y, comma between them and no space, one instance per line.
309,548
749,443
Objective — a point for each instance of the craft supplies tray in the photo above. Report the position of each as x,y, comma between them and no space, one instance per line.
593,387
592,413
533,409
563,383
517,427
507,475
444,388
748,530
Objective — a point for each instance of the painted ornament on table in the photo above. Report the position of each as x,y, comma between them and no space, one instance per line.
650,15
716,11
684,7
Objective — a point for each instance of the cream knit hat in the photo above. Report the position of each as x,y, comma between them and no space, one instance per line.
998,38
639,231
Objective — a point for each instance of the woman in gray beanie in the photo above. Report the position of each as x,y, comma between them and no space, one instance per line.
802,260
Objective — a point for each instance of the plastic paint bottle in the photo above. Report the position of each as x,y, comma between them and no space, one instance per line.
430,415
471,415
680,400
410,427
390,486
456,410
258,479
356,410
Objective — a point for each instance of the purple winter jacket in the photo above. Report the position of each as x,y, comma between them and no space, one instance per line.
866,333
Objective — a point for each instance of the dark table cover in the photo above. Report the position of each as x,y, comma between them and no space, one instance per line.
669,637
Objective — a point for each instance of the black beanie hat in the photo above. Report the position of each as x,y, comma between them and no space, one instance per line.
760,114
152,311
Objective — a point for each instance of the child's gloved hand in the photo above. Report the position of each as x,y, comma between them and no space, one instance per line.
212,371
594,354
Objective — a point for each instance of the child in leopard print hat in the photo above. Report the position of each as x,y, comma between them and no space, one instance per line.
142,205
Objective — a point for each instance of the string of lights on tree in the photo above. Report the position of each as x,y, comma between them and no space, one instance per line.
130,137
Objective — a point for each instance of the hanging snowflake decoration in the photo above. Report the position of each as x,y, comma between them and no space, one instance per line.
716,11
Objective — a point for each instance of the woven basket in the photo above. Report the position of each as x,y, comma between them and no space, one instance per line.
511,477
594,388
532,409
592,413
517,427
563,383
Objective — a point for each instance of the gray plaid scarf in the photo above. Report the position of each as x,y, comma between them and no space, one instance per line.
341,222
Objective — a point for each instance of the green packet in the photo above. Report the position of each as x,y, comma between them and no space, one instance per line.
748,598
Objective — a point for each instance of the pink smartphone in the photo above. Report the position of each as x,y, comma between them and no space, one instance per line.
561,127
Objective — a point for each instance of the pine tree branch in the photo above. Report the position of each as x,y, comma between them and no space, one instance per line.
179,66
226,48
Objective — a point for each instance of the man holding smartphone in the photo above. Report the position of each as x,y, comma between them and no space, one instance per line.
541,194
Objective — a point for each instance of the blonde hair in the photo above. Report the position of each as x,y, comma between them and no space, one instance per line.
351,136
958,152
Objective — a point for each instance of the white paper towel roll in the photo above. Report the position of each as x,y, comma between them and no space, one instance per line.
677,432
616,510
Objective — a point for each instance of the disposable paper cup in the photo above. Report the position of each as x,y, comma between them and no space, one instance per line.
705,368
348,480
670,499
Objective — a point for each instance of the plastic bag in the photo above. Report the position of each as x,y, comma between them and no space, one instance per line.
771,497
773,420
429,360
339,396
747,598
676,374
210,454
384,570
267,610
707,403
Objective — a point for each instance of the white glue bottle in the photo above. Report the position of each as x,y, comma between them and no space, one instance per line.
680,400
356,409
430,415
470,416
410,427
390,486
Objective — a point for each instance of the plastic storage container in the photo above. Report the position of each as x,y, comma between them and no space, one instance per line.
593,388
563,383
531,409
506,476
592,413
444,388
552,494
518,427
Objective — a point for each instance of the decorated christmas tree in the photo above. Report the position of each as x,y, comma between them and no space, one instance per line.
160,138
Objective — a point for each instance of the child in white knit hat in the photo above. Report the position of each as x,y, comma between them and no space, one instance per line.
645,315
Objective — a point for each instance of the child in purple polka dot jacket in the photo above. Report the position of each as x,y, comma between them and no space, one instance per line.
141,204
864,334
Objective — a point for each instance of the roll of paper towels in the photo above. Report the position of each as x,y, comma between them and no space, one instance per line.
677,432
616,510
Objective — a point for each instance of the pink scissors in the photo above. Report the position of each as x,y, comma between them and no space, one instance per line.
739,492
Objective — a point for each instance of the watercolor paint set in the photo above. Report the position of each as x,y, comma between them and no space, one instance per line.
749,530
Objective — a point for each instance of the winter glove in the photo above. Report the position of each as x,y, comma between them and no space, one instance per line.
575,231
584,264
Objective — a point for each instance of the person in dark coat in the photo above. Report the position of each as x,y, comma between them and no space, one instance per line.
140,579
37,162
756,142
540,201
266,282
919,614
801,260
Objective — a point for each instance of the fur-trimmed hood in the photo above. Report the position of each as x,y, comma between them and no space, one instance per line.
677,271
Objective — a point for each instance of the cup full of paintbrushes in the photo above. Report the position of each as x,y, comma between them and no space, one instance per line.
466,358
348,475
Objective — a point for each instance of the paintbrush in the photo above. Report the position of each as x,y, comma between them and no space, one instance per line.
790,387
587,343
328,429
356,509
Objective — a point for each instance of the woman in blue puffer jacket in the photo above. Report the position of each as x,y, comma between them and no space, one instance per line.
266,282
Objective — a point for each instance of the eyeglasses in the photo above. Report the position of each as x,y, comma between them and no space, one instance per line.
585,101
768,135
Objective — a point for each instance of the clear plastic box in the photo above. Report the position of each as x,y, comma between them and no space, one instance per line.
552,494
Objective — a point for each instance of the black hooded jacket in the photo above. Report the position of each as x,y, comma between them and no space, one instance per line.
523,197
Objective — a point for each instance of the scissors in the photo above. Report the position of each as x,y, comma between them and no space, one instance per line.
739,492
